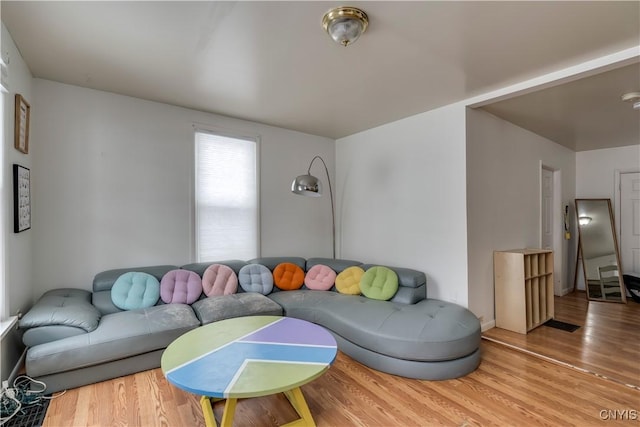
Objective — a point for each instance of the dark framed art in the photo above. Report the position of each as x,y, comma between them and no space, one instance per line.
23,113
21,198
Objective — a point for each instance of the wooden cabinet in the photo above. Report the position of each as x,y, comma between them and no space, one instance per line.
523,288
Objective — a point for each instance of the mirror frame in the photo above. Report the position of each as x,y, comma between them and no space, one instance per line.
623,289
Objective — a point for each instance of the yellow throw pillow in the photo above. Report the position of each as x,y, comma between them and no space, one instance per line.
348,281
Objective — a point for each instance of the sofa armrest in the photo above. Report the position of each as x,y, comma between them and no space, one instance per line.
63,307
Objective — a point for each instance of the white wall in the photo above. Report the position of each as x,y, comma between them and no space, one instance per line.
402,198
503,199
17,249
112,182
595,170
18,246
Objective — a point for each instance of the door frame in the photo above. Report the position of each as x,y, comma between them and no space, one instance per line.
558,231
617,199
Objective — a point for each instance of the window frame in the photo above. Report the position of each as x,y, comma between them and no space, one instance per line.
226,133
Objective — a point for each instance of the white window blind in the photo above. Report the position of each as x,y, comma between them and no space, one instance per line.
226,196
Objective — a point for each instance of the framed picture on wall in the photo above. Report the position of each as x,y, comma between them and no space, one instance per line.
23,112
21,198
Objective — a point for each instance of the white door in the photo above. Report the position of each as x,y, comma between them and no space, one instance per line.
630,222
547,209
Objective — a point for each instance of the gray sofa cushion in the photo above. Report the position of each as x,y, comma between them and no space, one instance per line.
63,307
337,265
407,295
43,334
272,262
119,335
102,301
104,281
223,307
430,330
200,267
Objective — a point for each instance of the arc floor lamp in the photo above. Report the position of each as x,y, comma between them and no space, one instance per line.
310,186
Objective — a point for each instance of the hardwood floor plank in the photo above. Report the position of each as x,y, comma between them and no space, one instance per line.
607,342
535,398
509,388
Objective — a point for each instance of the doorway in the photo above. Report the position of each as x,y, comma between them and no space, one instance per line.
629,221
551,219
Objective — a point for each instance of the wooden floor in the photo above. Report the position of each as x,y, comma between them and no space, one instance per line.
607,342
509,388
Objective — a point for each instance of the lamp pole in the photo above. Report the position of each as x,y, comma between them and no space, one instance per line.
310,186
333,210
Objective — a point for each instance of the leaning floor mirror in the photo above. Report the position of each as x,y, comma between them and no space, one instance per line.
598,249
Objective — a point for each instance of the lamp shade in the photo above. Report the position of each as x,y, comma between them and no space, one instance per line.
307,185
345,31
345,24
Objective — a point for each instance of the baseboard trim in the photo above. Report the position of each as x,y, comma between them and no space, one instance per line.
488,325
565,291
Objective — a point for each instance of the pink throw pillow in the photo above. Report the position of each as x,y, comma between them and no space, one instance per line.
219,279
320,278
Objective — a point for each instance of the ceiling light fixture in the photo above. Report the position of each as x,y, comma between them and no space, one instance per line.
633,97
345,24
584,220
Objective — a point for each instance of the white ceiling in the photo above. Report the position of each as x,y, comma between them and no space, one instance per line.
585,114
271,62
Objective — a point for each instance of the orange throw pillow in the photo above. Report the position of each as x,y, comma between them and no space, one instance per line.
288,276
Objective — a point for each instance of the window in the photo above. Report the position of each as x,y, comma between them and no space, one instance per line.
226,197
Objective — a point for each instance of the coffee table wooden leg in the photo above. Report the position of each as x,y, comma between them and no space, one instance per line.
296,398
229,412
207,411
227,415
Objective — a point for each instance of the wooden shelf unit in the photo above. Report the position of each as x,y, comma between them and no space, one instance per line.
523,288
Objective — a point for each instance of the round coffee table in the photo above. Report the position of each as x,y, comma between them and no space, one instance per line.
249,357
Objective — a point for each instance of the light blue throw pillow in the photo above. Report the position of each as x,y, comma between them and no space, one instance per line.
134,290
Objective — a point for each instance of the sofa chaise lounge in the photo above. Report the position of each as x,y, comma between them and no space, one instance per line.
77,337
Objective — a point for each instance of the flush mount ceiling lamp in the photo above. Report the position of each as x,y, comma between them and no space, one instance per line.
345,24
634,98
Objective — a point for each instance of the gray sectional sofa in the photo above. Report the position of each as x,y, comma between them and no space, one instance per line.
77,337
